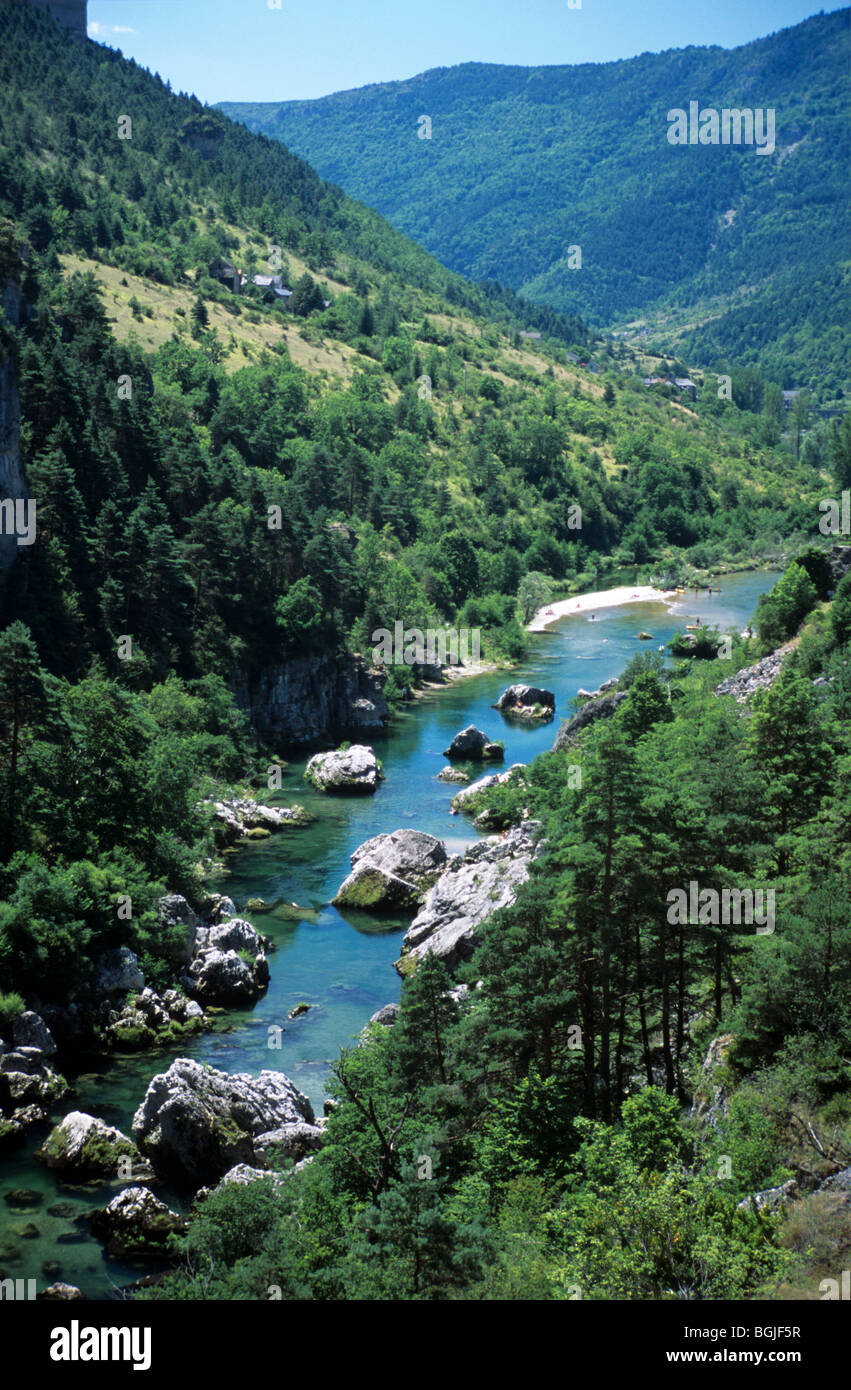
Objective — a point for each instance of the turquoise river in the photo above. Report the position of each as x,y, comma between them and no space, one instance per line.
341,965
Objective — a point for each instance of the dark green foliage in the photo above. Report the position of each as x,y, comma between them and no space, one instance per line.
780,613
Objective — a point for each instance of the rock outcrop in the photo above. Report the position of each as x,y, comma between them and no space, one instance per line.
82,1147
771,1198
30,1030
196,1123
229,965
177,916
28,1087
243,1173
118,972
472,886
386,1016
841,1181
840,561
464,800
148,1018
314,697
353,769
13,485
711,1093
474,746
527,702
136,1222
596,707
745,683
240,819
392,872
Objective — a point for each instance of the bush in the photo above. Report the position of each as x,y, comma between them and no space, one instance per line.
11,1005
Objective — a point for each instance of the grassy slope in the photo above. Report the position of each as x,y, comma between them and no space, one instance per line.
717,253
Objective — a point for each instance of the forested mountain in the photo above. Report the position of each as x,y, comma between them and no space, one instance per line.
231,484
409,405
719,252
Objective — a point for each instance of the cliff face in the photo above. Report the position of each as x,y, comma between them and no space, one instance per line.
313,698
12,482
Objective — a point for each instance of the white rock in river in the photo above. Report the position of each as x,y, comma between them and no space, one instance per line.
196,1123
470,888
494,779
392,872
136,1222
219,973
354,769
82,1146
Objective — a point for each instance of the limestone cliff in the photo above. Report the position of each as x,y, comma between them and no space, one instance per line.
313,697
12,482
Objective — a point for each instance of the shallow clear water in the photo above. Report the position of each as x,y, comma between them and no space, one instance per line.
341,965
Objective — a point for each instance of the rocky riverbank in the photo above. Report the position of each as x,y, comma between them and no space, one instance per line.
471,887
761,676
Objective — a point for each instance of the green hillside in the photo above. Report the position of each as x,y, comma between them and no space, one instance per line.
717,252
408,406
424,459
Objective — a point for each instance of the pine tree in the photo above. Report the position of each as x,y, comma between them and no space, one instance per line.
23,710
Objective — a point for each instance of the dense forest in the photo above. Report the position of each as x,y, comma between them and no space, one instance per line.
719,253
549,1101
224,485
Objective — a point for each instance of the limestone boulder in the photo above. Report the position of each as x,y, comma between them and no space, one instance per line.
472,886
136,1222
472,745
82,1147
392,872
195,1123
354,769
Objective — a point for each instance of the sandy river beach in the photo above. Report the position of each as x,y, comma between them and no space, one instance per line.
605,598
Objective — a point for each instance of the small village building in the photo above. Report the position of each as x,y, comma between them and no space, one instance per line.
686,386
226,274
273,287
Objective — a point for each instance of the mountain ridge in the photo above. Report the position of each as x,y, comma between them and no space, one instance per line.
525,162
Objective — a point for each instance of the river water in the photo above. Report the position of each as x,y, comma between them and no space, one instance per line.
339,964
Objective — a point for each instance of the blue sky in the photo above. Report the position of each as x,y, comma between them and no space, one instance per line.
243,50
